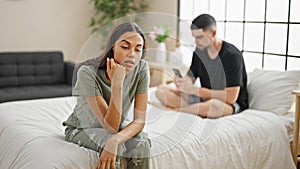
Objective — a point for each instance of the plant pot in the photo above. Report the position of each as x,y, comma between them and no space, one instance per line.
161,53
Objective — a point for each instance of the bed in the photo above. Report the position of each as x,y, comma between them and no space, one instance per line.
31,136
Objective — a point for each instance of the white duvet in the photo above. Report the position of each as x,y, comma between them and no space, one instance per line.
32,137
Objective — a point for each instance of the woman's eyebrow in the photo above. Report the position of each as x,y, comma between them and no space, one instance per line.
130,43
125,41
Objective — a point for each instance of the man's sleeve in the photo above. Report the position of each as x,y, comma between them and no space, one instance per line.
235,71
192,72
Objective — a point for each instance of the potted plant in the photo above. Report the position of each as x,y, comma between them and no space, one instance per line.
160,34
108,10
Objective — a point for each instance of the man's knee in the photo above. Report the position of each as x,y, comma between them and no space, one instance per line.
162,87
160,93
215,108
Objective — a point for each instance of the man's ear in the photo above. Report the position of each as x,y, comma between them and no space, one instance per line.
214,32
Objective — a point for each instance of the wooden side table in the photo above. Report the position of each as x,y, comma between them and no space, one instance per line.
161,73
296,126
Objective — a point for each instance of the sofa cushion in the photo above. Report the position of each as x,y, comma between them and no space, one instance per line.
34,92
31,68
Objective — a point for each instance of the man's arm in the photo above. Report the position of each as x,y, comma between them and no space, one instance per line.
212,108
228,95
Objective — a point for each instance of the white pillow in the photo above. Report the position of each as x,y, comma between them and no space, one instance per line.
271,90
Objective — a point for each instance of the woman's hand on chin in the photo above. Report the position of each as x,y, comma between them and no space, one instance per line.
116,73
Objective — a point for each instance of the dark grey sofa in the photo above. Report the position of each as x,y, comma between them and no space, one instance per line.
33,75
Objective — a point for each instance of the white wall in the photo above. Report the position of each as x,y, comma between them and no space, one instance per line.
165,13
166,6
45,25
42,25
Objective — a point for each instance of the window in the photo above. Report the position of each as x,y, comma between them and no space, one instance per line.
267,32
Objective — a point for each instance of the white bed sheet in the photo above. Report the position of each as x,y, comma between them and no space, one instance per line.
31,136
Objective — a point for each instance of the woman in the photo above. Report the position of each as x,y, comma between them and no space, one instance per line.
106,87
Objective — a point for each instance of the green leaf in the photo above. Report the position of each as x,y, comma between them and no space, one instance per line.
107,10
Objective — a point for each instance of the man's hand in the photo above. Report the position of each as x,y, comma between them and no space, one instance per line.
186,85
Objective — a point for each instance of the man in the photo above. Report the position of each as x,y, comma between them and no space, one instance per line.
220,67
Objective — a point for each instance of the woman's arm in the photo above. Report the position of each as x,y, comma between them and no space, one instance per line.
138,123
109,116
108,155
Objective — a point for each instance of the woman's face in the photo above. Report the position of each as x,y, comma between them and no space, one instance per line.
128,50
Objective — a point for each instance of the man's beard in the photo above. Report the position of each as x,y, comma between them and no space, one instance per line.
202,48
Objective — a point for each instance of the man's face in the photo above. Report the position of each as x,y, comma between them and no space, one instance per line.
203,39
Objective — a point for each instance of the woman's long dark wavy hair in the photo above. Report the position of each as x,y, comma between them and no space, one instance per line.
100,62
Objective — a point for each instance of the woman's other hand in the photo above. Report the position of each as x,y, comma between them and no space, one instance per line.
108,156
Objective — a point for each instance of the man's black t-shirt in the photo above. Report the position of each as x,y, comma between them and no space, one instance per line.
226,70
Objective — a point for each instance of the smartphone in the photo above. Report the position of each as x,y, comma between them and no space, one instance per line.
177,72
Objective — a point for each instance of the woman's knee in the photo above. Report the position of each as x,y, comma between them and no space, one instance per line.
121,149
138,146
139,155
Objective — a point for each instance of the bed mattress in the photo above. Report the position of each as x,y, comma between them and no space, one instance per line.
32,136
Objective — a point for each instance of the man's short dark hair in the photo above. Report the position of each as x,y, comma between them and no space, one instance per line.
203,21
